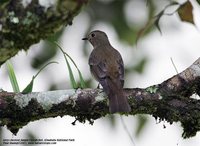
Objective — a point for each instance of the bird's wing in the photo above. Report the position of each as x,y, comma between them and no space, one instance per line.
98,68
121,70
98,72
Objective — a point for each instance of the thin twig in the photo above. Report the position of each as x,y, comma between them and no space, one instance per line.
126,130
174,65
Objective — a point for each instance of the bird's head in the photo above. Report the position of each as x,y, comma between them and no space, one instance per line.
97,38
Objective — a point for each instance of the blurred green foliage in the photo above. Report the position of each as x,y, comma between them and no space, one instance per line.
30,135
47,52
141,122
113,13
111,120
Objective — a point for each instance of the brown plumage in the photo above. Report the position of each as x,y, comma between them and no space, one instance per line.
107,67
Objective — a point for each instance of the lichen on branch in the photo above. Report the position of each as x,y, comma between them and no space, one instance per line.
24,25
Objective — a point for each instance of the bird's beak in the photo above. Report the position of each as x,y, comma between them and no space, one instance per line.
84,39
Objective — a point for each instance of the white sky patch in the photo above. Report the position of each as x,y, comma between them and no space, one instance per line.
48,3
44,3
25,3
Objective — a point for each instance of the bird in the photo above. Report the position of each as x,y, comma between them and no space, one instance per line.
107,67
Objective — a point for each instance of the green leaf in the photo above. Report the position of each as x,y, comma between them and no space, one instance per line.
71,75
198,1
162,13
185,12
29,87
82,82
158,17
12,77
44,67
72,79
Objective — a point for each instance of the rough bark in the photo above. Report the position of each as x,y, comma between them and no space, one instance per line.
21,26
170,101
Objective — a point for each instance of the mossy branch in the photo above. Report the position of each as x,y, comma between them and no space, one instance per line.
21,26
170,101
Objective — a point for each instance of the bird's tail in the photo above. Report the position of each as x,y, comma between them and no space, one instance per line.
118,102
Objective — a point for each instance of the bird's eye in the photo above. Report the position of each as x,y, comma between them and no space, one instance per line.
93,35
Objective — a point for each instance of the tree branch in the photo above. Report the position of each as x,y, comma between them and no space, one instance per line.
170,101
21,26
